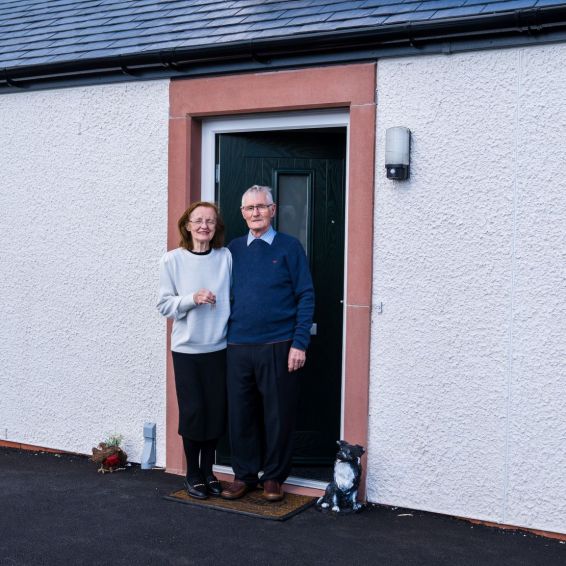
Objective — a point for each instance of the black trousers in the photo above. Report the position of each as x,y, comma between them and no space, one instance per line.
262,407
200,381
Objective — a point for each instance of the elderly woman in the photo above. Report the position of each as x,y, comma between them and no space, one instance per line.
194,290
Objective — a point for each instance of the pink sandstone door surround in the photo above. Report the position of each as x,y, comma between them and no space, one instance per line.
350,87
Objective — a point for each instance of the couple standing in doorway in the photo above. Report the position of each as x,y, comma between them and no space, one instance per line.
242,317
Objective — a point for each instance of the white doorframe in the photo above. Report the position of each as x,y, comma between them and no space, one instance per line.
268,122
261,123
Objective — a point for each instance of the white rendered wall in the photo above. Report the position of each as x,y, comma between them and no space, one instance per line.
468,379
83,212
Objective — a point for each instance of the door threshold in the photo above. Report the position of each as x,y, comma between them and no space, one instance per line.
303,482
298,485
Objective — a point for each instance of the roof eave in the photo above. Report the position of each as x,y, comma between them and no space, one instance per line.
193,61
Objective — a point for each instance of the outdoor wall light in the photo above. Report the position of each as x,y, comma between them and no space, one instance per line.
397,152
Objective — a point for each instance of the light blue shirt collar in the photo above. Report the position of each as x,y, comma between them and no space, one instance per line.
266,236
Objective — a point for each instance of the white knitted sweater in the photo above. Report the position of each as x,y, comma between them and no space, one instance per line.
197,329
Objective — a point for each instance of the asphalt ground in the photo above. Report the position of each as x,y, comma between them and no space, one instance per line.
56,509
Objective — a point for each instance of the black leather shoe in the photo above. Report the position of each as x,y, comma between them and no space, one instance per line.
214,486
196,488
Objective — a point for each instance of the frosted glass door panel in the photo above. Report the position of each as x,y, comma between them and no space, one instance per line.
293,195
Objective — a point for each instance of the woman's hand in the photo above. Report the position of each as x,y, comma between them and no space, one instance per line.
203,297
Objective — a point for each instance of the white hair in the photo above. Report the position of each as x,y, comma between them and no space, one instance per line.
259,189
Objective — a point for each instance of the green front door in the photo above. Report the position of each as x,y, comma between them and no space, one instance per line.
306,169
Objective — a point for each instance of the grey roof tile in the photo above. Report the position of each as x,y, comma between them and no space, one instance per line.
406,16
121,4
96,54
268,7
14,12
307,11
162,30
379,3
38,16
39,31
8,62
234,37
69,49
150,39
68,33
398,8
80,27
337,6
461,11
224,22
181,5
355,14
218,7
108,37
273,24
37,20
18,39
263,16
199,42
150,10
149,17
272,33
188,43
360,22
186,18
309,28
202,2
309,19
10,8
6,45
10,28
32,26
182,28
125,19
71,19
157,47
49,4
440,4
510,5
130,49
51,59
233,29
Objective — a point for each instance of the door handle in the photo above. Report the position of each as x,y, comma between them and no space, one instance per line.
313,329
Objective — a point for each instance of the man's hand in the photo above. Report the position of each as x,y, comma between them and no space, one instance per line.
203,297
297,359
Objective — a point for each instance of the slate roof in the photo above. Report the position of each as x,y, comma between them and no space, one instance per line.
39,32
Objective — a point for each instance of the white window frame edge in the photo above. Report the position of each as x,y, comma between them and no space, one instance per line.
268,122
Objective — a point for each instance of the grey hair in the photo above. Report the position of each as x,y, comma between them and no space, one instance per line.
259,189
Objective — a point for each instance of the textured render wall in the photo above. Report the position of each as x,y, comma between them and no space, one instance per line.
83,212
467,399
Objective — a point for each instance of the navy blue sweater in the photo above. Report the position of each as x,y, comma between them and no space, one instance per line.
272,292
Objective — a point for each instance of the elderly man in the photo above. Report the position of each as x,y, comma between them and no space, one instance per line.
268,334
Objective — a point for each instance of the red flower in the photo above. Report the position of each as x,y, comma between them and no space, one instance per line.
112,461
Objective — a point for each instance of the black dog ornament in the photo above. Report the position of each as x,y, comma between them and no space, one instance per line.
341,493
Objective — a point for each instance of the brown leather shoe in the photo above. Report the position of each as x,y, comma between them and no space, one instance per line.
272,490
236,489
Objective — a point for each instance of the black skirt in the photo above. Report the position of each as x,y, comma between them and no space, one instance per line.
200,380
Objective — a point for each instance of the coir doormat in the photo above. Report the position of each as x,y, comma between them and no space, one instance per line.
252,504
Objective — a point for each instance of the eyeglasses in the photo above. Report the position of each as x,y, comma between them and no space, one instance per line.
260,207
207,222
